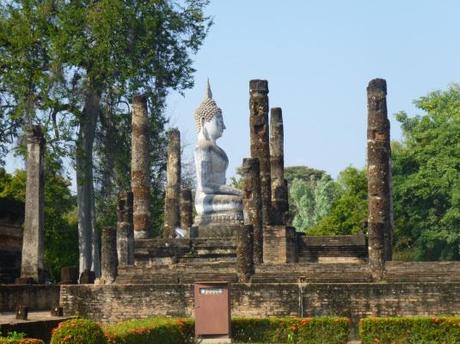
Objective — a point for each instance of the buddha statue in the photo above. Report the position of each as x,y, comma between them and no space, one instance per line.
216,203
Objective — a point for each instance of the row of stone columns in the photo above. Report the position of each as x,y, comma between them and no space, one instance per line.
265,191
178,204
264,171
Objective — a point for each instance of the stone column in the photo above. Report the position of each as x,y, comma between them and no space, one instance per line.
140,168
32,268
186,209
280,205
125,235
260,146
378,172
244,253
109,261
252,204
173,181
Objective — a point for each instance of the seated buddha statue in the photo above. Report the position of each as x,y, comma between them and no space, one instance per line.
215,202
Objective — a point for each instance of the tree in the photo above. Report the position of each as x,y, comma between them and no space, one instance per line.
426,178
74,54
312,200
303,173
348,212
25,80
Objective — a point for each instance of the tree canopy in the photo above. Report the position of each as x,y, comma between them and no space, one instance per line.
426,178
74,66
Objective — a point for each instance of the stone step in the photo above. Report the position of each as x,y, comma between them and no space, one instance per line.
176,278
179,267
313,268
422,271
207,259
310,278
312,272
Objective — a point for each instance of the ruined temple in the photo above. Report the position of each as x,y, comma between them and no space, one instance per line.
242,237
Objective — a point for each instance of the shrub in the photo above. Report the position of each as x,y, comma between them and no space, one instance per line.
19,338
21,341
405,330
154,330
78,331
333,330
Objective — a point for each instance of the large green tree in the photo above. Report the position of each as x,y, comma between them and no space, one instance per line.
426,178
61,59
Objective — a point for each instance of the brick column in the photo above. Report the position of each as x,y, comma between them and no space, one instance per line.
244,253
109,261
280,205
32,268
260,146
140,168
173,181
379,176
125,235
186,209
252,204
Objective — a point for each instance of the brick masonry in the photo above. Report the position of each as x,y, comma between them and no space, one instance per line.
279,244
355,300
36,297
11,219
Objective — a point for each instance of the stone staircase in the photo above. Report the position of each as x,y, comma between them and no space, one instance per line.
150,252
183,261
162,261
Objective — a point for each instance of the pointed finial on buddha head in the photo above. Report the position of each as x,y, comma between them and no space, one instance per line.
208,92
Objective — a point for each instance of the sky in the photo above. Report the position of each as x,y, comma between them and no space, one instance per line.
318,57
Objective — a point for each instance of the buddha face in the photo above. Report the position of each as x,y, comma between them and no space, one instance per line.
215,127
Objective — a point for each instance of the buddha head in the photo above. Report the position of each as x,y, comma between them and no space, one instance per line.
208,117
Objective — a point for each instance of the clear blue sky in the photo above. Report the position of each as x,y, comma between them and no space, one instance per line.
318,57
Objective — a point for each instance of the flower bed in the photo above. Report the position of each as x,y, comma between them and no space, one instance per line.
21,341
333,330
405,330
154,330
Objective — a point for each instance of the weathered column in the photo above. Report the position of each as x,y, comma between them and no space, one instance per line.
125,235
32,269
186,209
173,181
109,261
252,204
260,145
140,168
378,168
244,253
280,205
